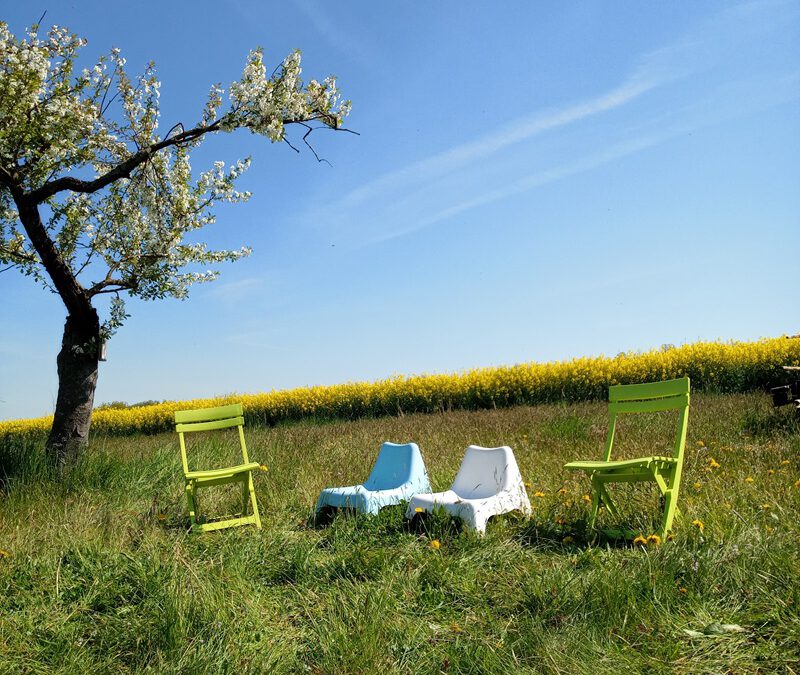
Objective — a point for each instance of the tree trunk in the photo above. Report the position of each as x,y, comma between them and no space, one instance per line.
77,380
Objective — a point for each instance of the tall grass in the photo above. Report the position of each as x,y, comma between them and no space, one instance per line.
101,576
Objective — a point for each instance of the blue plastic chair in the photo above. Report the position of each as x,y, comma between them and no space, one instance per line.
399,473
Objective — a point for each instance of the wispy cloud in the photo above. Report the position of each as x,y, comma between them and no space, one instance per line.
700,48
728,101
513,133
526,183
341,40
234,291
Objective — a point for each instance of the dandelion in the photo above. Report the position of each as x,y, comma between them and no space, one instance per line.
670,537
527,485
456,628
797,483
766,506
419,509
785,462
682,590
4,553
749,479
713,463
567,540
770,472
562,491
538,494
640,540
700,444
587,499
697,485
436,544
654,539
699,524
263,467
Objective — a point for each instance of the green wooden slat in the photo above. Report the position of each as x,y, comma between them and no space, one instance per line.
210,426
637,392
222,524
650,405
209,414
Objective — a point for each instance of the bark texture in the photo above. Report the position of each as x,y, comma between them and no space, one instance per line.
77,380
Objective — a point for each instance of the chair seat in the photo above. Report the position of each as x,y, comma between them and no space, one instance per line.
398,473
638,463
488,484
367,501
221,473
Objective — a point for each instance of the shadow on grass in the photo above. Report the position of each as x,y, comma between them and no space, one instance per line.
548,536
781,421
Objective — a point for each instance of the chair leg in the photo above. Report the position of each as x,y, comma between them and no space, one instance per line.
191,499
245,494
605,497
670,507
253,500
595,505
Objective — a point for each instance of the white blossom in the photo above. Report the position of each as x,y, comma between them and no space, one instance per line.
135,235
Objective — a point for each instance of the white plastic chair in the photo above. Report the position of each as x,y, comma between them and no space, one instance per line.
487,484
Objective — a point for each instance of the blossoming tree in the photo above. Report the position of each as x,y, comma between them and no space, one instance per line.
94,201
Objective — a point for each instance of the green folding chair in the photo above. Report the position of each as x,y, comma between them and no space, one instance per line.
664,471
211,419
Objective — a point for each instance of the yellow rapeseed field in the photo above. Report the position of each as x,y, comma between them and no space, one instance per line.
724,367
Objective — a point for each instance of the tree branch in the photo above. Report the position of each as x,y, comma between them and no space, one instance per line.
19,256
109,285
121,170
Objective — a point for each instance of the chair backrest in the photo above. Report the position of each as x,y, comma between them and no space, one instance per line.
395,465
209,419
648,398
485,472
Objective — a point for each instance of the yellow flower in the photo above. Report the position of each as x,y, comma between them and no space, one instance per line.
797,483
700,444
713,463
785,462
697,485
749,479
455,628
670,537
567,540
419,509
538,494
263,467
4,553
562,491
587,499
654,539
436,544
640,540
527,485
699,524
682,590
770,472
766,506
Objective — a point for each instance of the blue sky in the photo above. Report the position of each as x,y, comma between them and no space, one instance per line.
532,181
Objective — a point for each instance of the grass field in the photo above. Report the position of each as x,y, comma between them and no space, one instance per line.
98,575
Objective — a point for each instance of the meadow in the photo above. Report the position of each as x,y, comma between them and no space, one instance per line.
98,574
